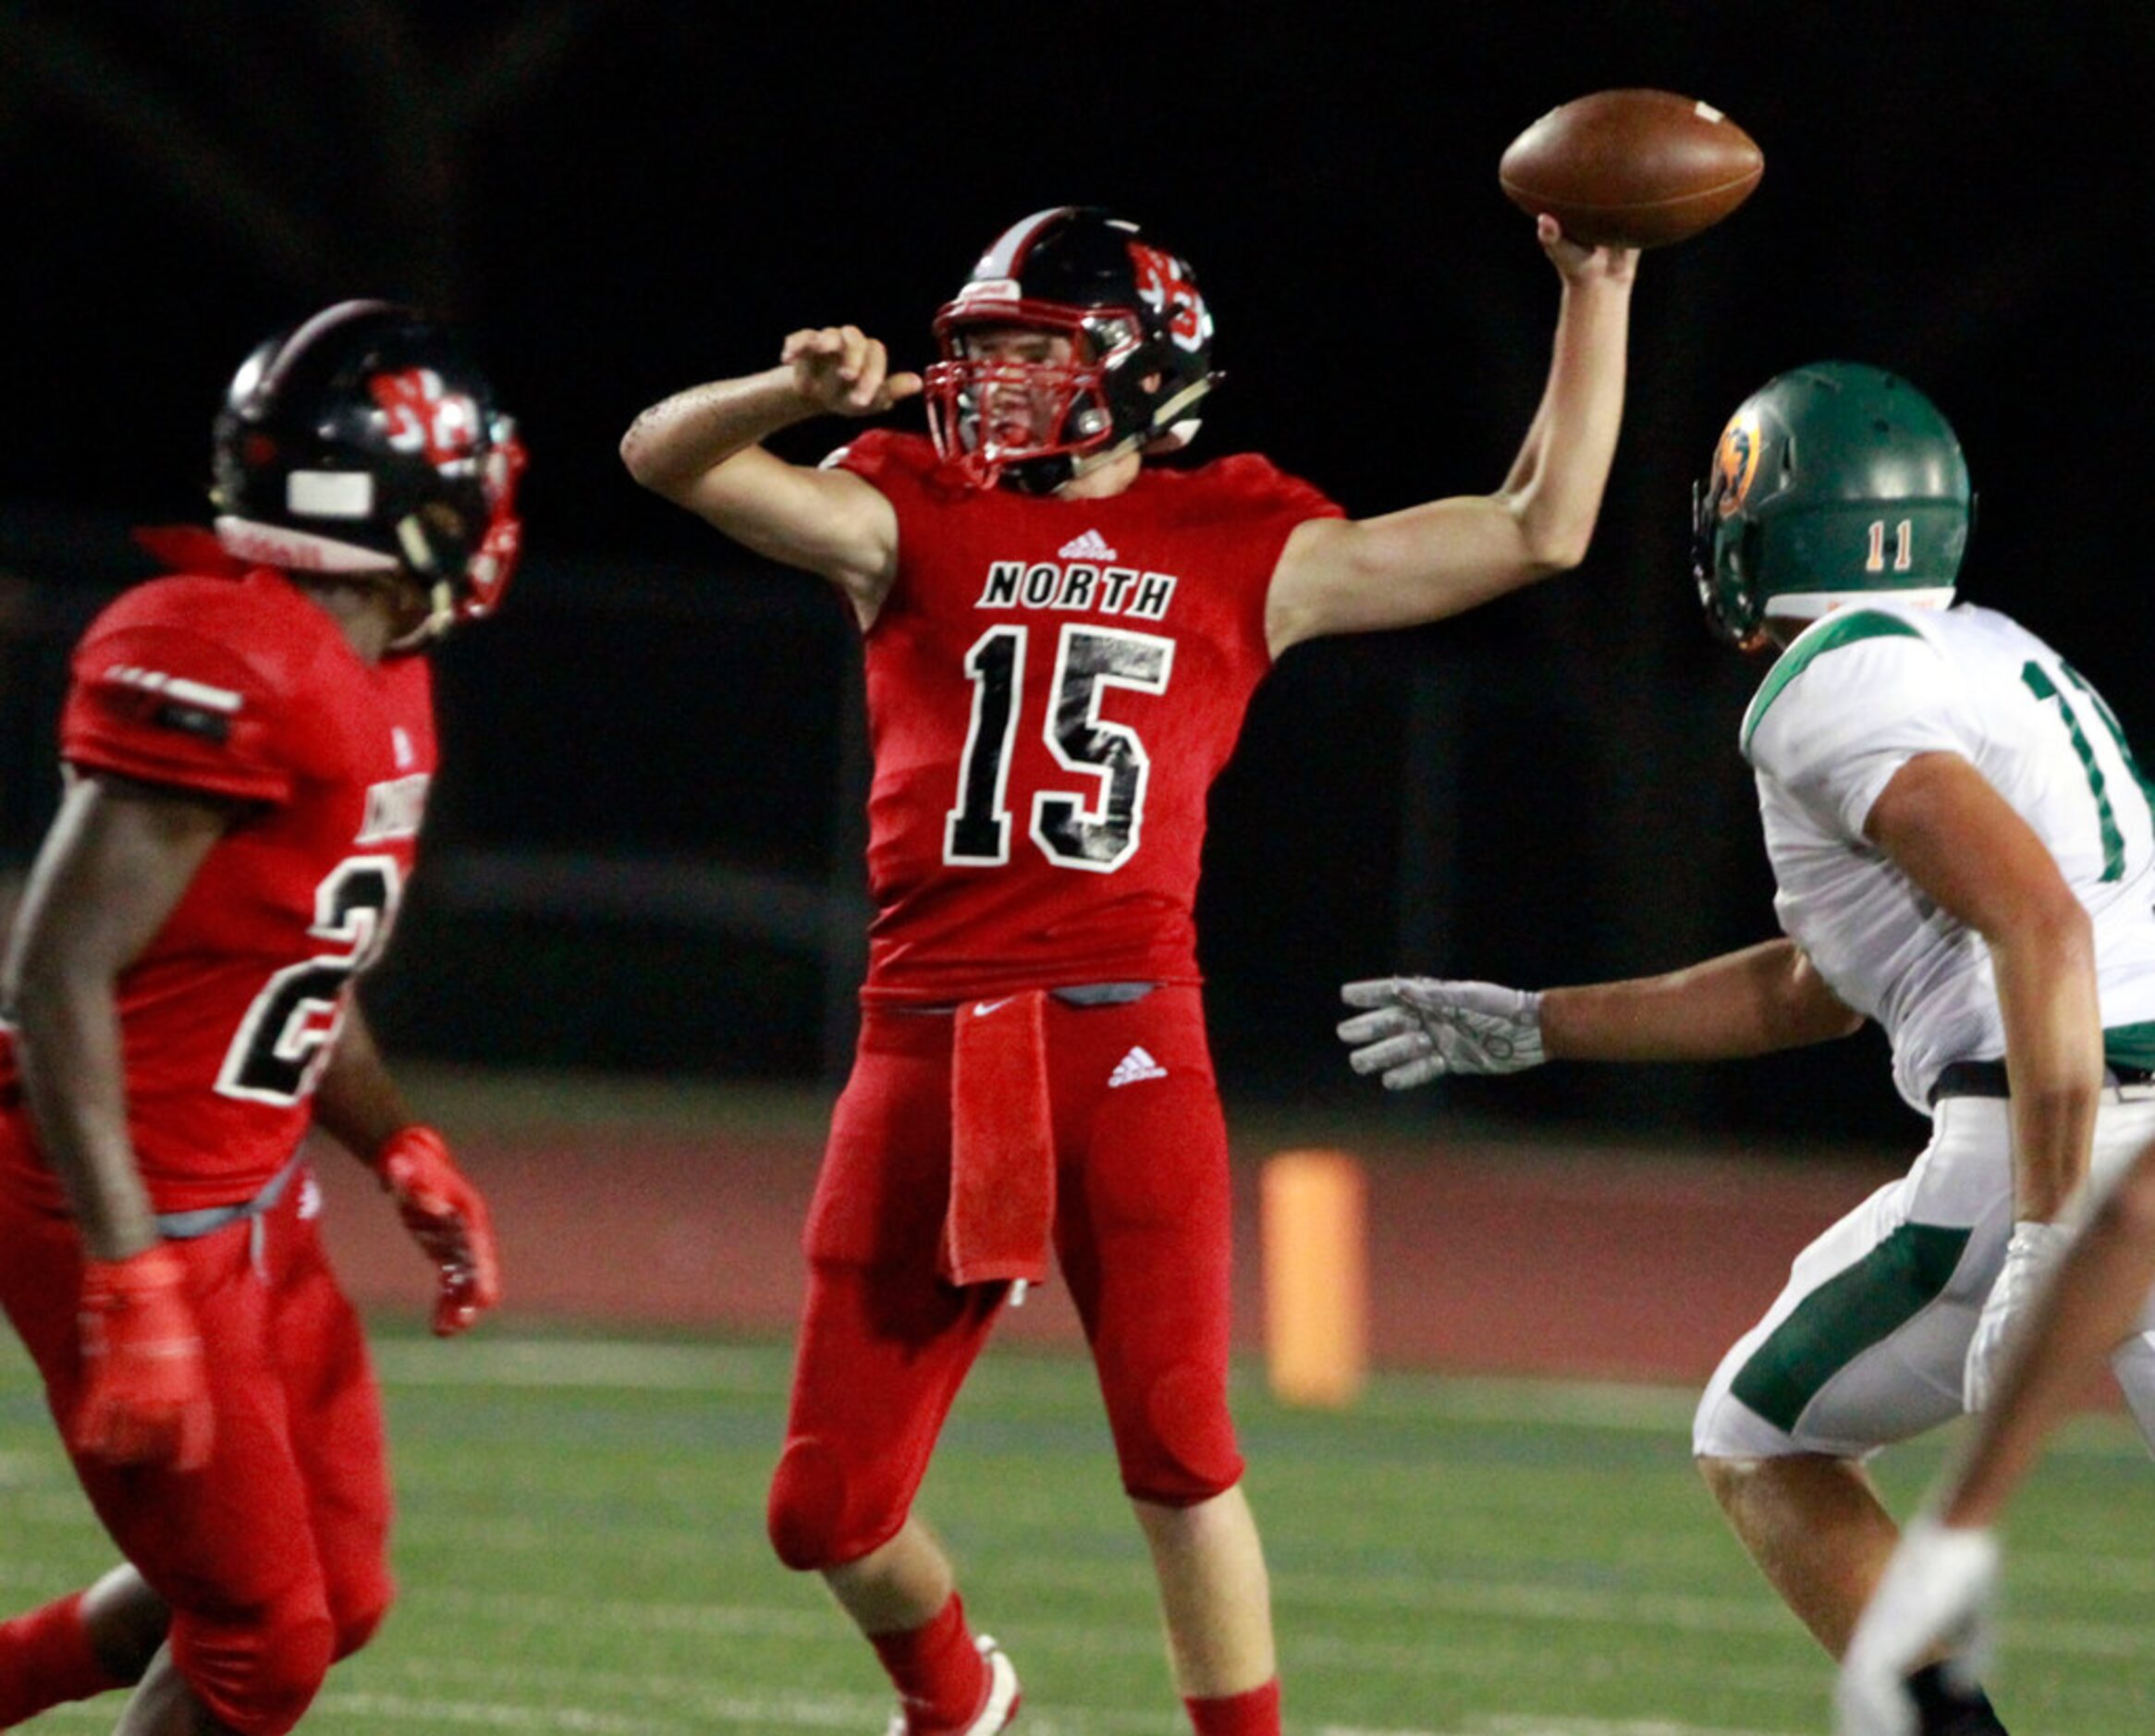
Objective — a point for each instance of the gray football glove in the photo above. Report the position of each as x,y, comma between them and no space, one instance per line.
1420,1028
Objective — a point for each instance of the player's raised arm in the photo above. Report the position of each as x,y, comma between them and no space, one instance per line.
1347,576
700,448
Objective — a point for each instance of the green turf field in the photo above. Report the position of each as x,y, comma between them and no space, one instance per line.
581,1550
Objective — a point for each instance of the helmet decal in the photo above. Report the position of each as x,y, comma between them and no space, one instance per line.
425,416
1163,281
1737,462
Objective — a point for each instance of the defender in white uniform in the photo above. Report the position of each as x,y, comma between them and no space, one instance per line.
1964,851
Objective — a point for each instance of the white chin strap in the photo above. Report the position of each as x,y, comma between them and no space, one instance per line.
441,615
1084,463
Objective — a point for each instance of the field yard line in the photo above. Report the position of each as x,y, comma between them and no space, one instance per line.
682,1694
1617,1609
609,1364
853,1712
629,1365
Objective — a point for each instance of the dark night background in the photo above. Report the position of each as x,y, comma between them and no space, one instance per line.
643,846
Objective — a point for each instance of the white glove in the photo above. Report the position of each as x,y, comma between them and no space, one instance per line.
1940,1589
1423,1028
2030,1258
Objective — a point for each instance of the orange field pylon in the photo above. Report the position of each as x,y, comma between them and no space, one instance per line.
1313,1227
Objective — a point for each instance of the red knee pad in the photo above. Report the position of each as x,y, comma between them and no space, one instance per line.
357,1616
810,1525
1185,1452
257,1672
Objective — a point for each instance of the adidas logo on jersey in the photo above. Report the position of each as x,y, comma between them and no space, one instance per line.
1092,546
1136,1065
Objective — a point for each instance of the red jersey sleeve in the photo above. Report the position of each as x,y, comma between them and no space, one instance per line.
1266,487
154,696
884,456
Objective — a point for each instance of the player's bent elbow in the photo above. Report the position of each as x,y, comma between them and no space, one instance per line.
1551,549
1825,1018
1546,541
644,462
39,989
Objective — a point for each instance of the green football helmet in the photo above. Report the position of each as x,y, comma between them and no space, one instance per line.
1832,485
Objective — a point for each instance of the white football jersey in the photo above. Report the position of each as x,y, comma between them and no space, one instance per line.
1851,701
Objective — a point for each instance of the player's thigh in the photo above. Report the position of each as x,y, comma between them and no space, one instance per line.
884,1343
884,1340
881,1355
884,1185
1144,1230
235,1537
336,1427
1866,1343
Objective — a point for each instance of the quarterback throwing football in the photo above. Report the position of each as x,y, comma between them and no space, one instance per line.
249,744
1964,851
1061,640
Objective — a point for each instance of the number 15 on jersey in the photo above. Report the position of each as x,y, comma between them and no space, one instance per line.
1097,829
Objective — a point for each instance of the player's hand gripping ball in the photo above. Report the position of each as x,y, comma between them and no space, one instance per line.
1631,168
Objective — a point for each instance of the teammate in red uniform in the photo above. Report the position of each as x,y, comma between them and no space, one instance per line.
1061,644
248,747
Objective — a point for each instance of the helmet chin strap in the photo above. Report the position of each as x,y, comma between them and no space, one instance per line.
423,563
439,616
1085,463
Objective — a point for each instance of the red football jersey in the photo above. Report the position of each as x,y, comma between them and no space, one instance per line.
247,689
1053,685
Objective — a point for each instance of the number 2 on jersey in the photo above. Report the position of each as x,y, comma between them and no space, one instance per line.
285,1038
1098,833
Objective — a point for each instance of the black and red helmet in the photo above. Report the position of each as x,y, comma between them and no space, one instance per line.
366,440
1141,337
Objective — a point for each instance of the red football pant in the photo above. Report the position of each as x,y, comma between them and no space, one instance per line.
273,1557
1141,1236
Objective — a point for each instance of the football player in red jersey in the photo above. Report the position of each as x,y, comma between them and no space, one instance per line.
1060,643
248,746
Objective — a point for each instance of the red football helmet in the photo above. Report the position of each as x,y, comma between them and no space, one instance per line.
364,439
1141,352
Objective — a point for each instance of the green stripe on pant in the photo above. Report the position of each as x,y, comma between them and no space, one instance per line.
1847,1316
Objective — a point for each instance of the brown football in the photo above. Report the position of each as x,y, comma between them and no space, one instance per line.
1631,168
